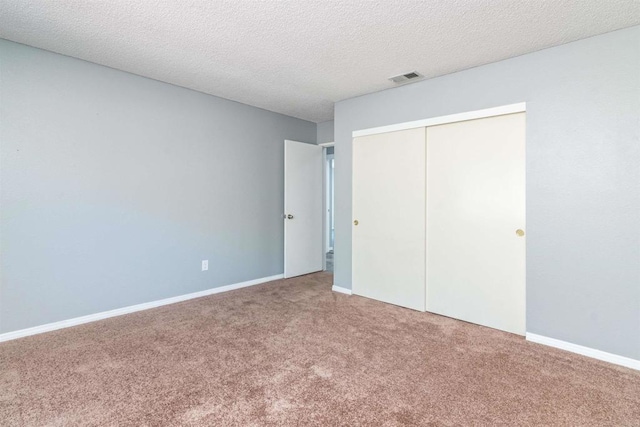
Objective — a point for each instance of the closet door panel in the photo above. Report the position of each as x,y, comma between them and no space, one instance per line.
389,207
475,207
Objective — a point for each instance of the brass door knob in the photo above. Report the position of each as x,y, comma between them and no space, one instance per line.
520,232
355,222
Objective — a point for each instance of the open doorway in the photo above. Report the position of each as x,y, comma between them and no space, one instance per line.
329,204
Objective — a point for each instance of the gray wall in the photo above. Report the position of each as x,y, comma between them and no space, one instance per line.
583,179
325,132
115,187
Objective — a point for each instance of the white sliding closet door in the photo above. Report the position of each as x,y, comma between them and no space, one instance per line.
476,221
388,215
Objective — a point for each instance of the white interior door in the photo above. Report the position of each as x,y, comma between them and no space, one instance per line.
389,207
303,247
475,205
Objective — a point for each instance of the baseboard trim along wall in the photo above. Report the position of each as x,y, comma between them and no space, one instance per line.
585,351
131,309
341,290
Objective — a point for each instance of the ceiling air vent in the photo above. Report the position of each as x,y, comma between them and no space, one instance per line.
403,78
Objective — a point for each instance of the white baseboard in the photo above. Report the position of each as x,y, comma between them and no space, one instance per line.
130,309
585,351
340,289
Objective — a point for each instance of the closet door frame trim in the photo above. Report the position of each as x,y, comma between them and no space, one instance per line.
452,118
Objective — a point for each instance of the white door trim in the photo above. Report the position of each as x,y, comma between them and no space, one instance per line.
325,226
325,205
469,115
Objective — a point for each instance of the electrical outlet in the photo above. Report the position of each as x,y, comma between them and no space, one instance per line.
205,264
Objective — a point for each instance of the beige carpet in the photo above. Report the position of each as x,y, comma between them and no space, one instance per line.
292,352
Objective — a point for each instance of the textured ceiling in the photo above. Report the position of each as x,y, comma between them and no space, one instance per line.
299,57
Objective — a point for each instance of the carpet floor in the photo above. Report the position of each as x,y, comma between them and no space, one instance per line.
292,353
